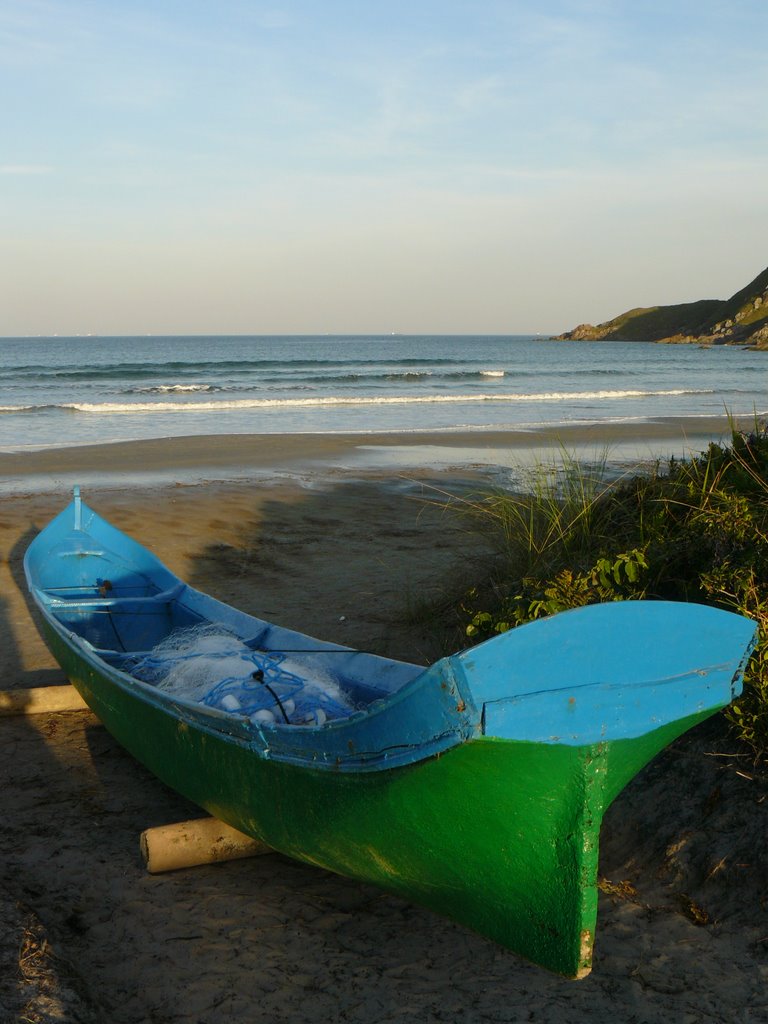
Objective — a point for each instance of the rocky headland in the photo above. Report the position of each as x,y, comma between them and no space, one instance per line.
741,320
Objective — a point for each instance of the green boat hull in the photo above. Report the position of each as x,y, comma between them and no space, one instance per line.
500,835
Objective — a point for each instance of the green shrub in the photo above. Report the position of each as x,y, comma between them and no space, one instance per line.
694,530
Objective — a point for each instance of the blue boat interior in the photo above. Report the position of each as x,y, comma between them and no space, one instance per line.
124,612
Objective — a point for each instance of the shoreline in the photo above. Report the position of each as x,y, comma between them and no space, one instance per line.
220,457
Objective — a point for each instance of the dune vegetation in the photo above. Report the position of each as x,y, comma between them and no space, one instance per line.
694,530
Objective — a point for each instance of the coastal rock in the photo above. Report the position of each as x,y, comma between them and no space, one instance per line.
740,320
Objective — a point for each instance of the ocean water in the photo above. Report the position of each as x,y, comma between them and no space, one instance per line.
70,391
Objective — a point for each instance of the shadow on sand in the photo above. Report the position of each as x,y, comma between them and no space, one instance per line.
36,983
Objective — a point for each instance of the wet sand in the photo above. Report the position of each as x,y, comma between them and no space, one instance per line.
89,936
290,456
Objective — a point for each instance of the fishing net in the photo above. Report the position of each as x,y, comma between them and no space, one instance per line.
214,667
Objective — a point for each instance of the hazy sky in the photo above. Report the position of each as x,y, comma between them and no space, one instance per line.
505,166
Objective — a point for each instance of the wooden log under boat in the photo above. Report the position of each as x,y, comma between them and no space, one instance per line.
40,700
189,844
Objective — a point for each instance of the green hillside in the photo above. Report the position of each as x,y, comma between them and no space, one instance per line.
740,320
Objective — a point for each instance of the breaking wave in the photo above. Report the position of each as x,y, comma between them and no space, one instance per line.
132,408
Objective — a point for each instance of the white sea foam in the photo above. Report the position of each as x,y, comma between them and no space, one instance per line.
131,408
161,389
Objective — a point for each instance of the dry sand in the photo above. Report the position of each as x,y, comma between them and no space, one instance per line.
89,936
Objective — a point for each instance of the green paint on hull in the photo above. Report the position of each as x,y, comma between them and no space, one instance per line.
499,835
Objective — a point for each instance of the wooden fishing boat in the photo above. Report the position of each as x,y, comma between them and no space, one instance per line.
475,787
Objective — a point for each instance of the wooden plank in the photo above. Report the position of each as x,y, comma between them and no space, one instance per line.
39,700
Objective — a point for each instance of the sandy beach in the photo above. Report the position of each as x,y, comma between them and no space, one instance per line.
355,554
305,456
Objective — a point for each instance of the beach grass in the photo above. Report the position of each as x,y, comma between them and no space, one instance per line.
692,530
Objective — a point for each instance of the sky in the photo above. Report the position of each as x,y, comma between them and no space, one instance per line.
416,166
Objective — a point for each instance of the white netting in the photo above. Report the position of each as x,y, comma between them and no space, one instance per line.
210,665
